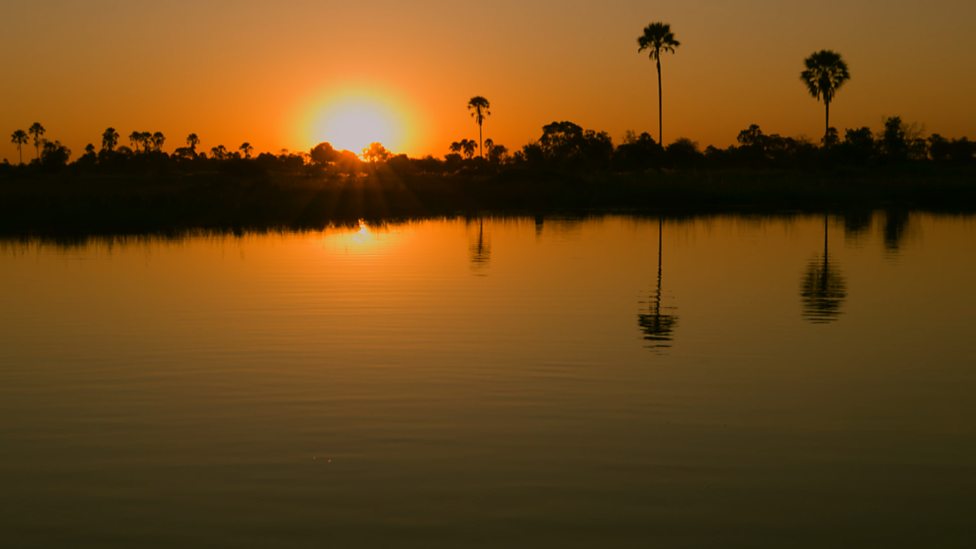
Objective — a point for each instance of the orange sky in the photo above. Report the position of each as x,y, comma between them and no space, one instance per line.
260,71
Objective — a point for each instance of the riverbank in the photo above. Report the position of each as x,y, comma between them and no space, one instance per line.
68,204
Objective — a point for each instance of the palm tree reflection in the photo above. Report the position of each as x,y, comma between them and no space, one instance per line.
659,324
480,249
823,288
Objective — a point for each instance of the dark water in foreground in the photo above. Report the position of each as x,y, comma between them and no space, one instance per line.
509,383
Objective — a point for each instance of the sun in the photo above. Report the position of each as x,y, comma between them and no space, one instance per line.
355,118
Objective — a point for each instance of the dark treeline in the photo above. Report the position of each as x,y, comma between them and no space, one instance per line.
562,147
144,189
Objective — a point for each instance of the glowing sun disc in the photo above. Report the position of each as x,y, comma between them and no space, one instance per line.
354,120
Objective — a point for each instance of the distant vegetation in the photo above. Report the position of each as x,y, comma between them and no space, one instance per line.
562,146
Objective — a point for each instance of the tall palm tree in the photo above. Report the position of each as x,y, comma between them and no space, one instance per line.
826,72
110,138
658,39
19,138
479,107
37,131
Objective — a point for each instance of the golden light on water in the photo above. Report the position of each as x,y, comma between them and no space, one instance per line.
353,118
362,239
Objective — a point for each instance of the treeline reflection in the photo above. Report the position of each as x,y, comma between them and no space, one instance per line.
823,288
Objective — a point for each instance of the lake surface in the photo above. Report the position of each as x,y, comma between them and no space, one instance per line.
606,382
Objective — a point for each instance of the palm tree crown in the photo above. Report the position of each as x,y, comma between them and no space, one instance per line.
825,73
110,138
658,39
37,131
479,107
19,138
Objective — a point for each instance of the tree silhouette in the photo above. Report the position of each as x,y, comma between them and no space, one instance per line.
110,138
134,139
156,140
54,154
658,39
37,131
479,107
19,138
496,152
219,152
192,141
822,289
826,72
467,147
246,149
376,152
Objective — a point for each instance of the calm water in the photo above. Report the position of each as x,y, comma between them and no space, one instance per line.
611,382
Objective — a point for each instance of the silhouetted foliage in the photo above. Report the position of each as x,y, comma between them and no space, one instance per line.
110,139
54,155
376,152
684,153
568,145
637,153
324,154
858,147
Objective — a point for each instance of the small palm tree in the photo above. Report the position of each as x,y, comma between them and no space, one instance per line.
479,107
192,141
246,149
467,147
658,39
37,132
157,139
110,138
20,139
826,72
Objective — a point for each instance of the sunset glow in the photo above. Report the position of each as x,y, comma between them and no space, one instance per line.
330,70
354,118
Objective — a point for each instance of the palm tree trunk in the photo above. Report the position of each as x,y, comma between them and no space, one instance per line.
660,268
826,123
826,242
660,106
481,142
